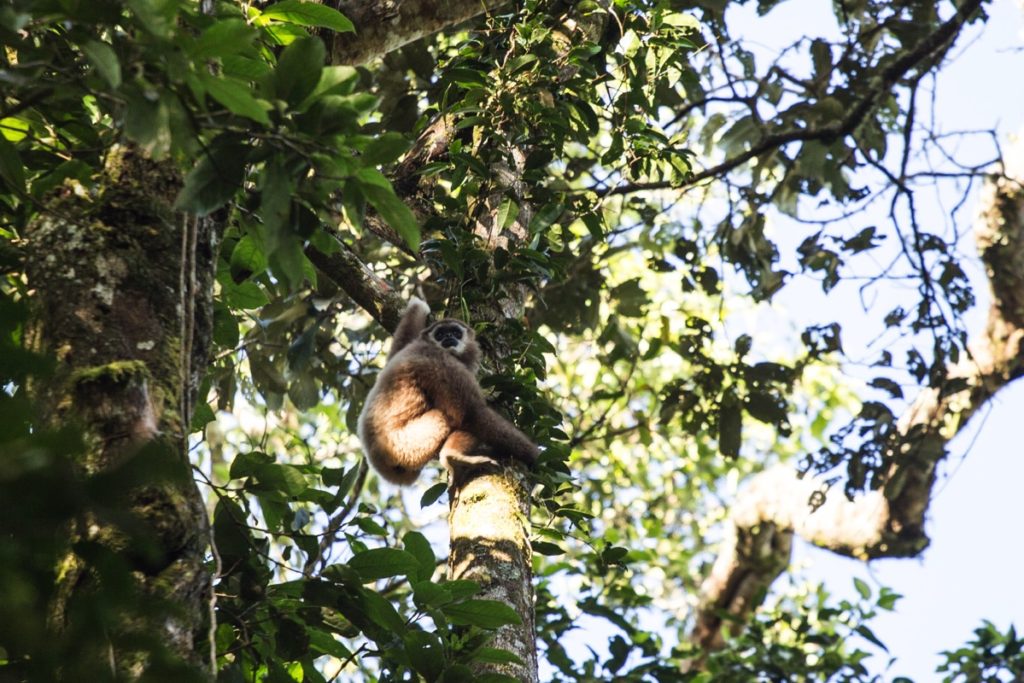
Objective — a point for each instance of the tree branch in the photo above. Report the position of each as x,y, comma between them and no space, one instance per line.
938,41
368,290
888,522
385,26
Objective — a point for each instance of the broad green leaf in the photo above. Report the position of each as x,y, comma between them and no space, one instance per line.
418,545
14,129
385,148
309,14
378,191
215,179
244,295
147,121
507,213
284,478
11,169
335,80
104,60
245,68
431,495
482,613
730,428
288,263
429,594
427,654
237,97
298,70
383,563
862,587
383,613
304,392
247,259
223,38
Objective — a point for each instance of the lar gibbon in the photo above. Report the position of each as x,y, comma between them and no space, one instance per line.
426,403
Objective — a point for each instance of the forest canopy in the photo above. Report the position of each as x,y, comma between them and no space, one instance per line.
212,215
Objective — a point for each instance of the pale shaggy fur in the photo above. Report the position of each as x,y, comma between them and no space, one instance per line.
426,402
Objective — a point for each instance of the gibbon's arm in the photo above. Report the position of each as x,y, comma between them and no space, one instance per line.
414,319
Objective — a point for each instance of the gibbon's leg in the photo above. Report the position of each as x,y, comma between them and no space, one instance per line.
410,447
414,320
497,432
463,453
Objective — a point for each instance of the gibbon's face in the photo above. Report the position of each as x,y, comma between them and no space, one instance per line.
451,336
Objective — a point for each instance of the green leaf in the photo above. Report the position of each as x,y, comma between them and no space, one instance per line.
247,259
482,613
431,495
547,549
304,392
385,148
383,563
223,38
11,169
284,478
215,179
869,635
104,60
730,427
247,464
298,70
244,295
382,612
429,594
862,587
236,97
147,121
309,14
426,652
507,213
378,191
419,547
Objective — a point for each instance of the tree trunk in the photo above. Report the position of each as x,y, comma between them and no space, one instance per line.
124,302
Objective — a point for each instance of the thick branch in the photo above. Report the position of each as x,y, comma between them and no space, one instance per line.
385,26
365,288
888,522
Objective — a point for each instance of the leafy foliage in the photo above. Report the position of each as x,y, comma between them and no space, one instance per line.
634,365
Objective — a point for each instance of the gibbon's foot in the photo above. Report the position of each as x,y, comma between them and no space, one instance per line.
463,455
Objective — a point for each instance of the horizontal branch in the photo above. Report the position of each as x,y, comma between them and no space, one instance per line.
381,27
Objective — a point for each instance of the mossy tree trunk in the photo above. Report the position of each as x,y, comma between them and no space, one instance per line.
123,294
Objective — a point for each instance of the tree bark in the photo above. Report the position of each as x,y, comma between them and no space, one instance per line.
124,302
381,27
889,522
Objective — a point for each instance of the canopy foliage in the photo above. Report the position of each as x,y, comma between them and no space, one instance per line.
595,185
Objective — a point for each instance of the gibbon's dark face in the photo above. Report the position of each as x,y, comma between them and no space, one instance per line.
449,336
